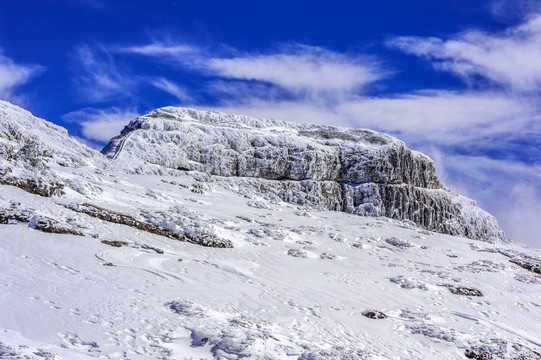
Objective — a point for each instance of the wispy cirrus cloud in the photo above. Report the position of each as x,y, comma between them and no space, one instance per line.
13,75
507,10
97,78
165,50
170,88
295,68
510,58
302,69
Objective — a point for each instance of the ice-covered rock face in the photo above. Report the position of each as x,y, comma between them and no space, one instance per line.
352,170
231,145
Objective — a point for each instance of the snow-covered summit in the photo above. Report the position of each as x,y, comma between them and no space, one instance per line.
357,171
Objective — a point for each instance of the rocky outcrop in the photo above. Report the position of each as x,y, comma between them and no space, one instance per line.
357,171
229,145
30,147
31,143
436,210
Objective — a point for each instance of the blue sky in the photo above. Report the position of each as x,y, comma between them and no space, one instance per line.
459,80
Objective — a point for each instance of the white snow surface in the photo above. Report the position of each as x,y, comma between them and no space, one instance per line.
295,284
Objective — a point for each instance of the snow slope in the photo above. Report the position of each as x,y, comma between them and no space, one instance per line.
96,270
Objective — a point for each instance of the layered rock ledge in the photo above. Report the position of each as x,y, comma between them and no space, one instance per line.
357,171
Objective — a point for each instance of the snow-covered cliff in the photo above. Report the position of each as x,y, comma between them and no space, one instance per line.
232,145
357,171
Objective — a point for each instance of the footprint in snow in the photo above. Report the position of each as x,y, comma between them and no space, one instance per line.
73,340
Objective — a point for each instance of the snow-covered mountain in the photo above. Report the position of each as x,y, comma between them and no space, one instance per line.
100,256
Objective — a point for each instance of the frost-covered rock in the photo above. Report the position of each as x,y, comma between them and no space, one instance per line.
35,144
357,171
30,147
232,145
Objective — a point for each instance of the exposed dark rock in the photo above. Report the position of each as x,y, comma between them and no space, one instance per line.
527,264
297,253
127,220
462,290
399,243
374,314
477,354
34,186
148,247
186,308
115,243
8,216
38,222
521,259
48,225
501,349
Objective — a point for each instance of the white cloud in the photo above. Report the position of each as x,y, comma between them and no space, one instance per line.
445,118
507,10
521,216
100,125
510,58
171,88
510,189
439,117
13,75
161,49
170,53
301,69
97,77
